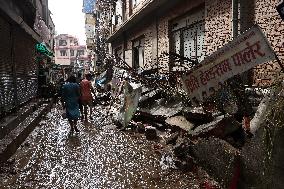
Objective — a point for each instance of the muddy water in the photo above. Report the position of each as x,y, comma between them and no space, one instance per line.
97,157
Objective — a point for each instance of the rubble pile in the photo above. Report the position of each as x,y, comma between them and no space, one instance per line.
7,168
214,132
186,136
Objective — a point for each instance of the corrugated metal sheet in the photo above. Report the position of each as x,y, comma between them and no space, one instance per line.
7,100
26,68
18,68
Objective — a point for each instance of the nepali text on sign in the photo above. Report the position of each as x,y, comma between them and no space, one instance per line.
246,51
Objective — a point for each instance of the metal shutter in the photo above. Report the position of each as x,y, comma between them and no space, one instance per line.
26,68
7,97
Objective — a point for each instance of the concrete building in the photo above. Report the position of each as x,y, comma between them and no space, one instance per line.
44,24
70,55
103,12
90,27
143,30
90,23
45,27
19,81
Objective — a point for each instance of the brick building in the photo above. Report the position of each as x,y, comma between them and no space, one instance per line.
142,30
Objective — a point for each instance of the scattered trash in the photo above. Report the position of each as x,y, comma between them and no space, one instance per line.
167,161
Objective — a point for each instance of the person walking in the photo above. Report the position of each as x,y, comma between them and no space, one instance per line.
70,96
86,95
59,91
78,81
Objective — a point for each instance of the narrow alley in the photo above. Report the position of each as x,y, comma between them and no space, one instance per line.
126,94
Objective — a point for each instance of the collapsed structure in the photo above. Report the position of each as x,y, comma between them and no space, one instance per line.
158,42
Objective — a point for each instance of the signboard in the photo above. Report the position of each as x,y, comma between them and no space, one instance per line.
280,9
130,105
117,80
245,52
88,6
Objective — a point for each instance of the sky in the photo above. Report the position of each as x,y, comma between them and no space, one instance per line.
68,18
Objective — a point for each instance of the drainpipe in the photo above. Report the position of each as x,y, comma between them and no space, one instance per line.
157,41
247,18
235,15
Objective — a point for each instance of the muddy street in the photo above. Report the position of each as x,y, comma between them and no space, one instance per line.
97,157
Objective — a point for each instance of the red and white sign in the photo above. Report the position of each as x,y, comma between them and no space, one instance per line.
245,52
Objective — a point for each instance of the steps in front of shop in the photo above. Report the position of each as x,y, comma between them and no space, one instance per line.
10,122
16,136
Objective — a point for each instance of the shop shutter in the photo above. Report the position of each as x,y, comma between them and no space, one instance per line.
7,97
26,68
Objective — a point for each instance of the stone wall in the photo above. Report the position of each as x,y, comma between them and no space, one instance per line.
153,47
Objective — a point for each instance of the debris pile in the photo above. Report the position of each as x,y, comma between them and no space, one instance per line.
202,113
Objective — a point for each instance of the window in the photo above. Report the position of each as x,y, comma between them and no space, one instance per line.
71,52
63,53
80,52
62,43
118,52
118,12
138,53
82,63
130,7
188,36
123,10
193,40
135,2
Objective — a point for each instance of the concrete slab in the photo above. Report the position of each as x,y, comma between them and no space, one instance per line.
10,143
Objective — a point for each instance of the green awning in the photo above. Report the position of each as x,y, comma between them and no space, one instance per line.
42,49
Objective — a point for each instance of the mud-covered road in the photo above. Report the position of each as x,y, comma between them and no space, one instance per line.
97,157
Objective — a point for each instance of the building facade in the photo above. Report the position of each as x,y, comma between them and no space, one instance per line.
145,32
70,55
90,29
19,37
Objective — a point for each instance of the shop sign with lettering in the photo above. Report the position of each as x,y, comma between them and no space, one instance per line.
245,52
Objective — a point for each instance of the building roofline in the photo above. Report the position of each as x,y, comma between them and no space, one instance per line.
149,8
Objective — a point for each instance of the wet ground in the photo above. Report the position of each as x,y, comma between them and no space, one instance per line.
97,157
